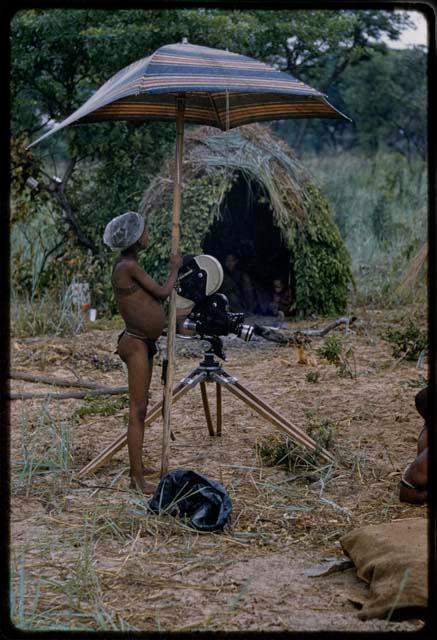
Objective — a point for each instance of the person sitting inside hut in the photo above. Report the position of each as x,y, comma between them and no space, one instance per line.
236,286
276,301
282,298
413,485
139,298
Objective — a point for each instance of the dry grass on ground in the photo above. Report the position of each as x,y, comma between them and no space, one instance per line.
89,556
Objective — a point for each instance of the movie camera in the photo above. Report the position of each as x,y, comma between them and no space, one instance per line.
199,279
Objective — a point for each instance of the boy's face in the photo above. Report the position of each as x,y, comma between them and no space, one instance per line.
278,286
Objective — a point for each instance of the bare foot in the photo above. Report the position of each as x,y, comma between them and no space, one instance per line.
143,486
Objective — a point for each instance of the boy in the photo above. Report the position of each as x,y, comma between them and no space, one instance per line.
139,298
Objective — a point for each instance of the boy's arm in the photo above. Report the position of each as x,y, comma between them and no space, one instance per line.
150,285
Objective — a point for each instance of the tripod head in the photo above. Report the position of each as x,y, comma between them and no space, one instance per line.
216,346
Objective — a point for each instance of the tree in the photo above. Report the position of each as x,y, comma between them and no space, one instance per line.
60,57
388,98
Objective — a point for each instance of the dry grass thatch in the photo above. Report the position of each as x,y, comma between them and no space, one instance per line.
212,163
415,269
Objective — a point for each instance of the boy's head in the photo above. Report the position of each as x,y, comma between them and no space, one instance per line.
126,230
278,285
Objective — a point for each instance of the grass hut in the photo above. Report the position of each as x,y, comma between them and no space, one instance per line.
244,192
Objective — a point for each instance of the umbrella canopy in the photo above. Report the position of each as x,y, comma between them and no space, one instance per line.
221,89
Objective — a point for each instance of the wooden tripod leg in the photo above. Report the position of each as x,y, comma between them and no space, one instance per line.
219,408
206,408
121,441
278,420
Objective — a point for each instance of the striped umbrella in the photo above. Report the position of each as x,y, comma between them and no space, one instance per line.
185,82
220,89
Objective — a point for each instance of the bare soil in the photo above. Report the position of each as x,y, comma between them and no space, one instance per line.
89,556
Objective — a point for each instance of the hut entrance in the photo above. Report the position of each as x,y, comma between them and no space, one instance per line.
246,229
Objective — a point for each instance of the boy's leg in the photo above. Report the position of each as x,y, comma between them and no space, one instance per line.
136,355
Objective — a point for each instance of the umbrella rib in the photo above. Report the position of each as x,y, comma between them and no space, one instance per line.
214,106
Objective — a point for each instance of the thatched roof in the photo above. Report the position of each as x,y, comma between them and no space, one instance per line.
212,161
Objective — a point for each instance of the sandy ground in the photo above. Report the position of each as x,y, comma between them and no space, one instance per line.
89,556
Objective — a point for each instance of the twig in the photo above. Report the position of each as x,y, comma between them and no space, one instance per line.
60,382
103,391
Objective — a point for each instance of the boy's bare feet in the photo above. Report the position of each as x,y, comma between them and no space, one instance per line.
143,486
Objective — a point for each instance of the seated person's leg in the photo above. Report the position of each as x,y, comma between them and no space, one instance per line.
421,402
413,486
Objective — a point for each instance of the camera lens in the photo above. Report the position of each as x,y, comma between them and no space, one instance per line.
191,325
245,332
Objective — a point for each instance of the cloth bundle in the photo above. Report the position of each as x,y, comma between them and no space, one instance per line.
205,502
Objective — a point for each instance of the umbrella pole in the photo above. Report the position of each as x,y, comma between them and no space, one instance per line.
171,330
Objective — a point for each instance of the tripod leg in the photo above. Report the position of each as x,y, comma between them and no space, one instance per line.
206,408
266,411
219,408
154,413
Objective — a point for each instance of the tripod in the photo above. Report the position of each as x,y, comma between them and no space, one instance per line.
210,371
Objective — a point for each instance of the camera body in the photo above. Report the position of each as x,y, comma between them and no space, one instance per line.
211,317
199,279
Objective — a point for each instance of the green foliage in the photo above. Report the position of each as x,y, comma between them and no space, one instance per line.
332,349
394,114
37,316
280,450
383,91
200,204
101,406
45,446
321,261
379,204
322,430
408,342
313,377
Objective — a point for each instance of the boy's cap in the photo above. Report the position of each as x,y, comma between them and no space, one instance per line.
123,231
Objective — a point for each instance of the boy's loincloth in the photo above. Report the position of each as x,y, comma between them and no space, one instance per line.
151,342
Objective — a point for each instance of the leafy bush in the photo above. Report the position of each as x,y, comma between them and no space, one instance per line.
98,406
313,376
332,349
408,343
280,450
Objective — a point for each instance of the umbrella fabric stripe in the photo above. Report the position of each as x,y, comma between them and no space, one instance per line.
239,114
219,72
235,116
211,83
200,62
125,107
148,110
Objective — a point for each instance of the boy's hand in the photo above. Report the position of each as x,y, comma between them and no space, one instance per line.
175,262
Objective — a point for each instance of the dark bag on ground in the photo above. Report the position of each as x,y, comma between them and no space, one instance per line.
188,494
